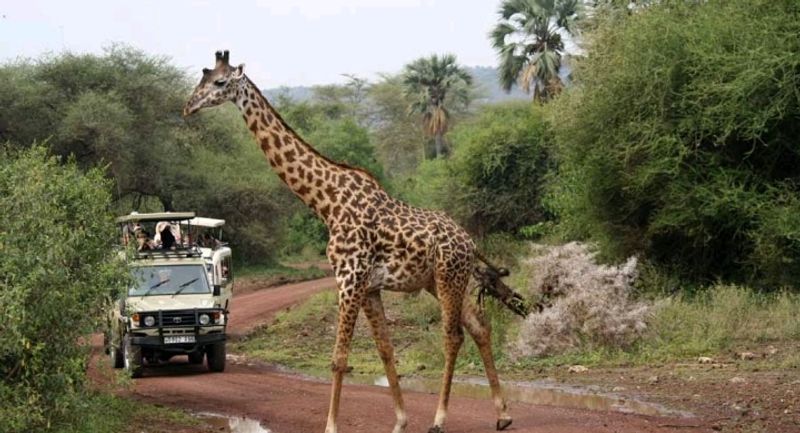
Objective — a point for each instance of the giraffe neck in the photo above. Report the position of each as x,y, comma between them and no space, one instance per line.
316,180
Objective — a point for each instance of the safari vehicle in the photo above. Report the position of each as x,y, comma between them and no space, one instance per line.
181,288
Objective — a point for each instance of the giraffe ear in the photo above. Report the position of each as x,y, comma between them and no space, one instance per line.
238,72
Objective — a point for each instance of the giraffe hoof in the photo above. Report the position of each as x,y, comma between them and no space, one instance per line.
436,429
503,424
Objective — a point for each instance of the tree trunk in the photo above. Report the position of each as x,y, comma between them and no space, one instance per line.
438,139
166,202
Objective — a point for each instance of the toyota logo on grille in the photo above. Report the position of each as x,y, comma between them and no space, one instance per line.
176,320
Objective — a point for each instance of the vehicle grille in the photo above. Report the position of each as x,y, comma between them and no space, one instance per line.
178,318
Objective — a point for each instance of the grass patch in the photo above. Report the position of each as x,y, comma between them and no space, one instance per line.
279,270
106,413
718,323
722,318
303,337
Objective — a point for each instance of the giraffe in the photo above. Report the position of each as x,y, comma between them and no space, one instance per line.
376,243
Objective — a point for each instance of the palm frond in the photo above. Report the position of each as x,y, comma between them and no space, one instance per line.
510,66
499,33
529,43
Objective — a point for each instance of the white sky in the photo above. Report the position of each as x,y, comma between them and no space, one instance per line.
282,42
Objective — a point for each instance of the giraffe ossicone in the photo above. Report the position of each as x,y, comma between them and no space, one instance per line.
376,243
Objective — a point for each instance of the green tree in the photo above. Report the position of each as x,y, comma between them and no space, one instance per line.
436,83
494,180
58,269
396,133
121,111
679,141
499,164
529,43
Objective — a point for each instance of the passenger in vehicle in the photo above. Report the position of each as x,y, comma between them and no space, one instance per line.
168,236
144,243
207,240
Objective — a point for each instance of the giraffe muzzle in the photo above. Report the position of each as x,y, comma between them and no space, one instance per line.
187,111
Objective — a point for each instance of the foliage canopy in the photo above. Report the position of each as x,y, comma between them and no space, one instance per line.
679,140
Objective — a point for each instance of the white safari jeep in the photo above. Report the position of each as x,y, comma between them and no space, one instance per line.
178,301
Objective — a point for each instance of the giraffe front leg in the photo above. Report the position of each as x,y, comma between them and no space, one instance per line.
349,303
373,309
481,332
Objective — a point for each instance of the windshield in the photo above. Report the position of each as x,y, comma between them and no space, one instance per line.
169,280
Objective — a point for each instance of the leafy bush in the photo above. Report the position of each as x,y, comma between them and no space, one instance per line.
591,303
493,181
679,141
306,236
58,268
499,164
431,187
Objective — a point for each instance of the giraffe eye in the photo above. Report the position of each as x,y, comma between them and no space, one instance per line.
220,82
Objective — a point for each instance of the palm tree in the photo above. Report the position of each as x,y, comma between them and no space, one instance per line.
529,43
433,83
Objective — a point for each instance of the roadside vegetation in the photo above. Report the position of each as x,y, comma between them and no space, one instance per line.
58,269
305,272
106,413
720,323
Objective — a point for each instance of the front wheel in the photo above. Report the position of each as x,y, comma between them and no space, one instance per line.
215,356
132,356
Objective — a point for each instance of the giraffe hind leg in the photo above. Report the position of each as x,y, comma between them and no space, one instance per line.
481,333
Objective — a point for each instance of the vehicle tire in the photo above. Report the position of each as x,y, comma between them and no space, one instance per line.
132,356
117,358
196,357
215,356
106,343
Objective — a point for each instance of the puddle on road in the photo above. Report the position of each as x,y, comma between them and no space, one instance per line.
234,424
538,392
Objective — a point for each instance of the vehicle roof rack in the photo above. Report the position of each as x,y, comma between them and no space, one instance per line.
159,216
206,222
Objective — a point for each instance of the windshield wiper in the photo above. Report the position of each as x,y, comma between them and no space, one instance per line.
184,285
155,286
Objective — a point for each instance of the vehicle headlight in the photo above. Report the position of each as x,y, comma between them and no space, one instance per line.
204,319
149,321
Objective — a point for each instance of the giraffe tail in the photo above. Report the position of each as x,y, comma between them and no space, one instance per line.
490,283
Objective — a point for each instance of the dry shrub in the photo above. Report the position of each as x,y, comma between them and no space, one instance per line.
591,303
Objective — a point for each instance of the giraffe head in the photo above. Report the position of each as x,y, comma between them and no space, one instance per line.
217,85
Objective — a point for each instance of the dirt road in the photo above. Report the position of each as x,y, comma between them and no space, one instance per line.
287,403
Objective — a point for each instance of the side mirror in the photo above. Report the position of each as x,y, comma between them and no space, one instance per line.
217,289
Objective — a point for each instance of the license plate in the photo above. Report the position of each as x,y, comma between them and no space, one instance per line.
178,339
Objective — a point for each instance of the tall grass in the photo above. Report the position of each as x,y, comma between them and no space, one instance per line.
719,319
